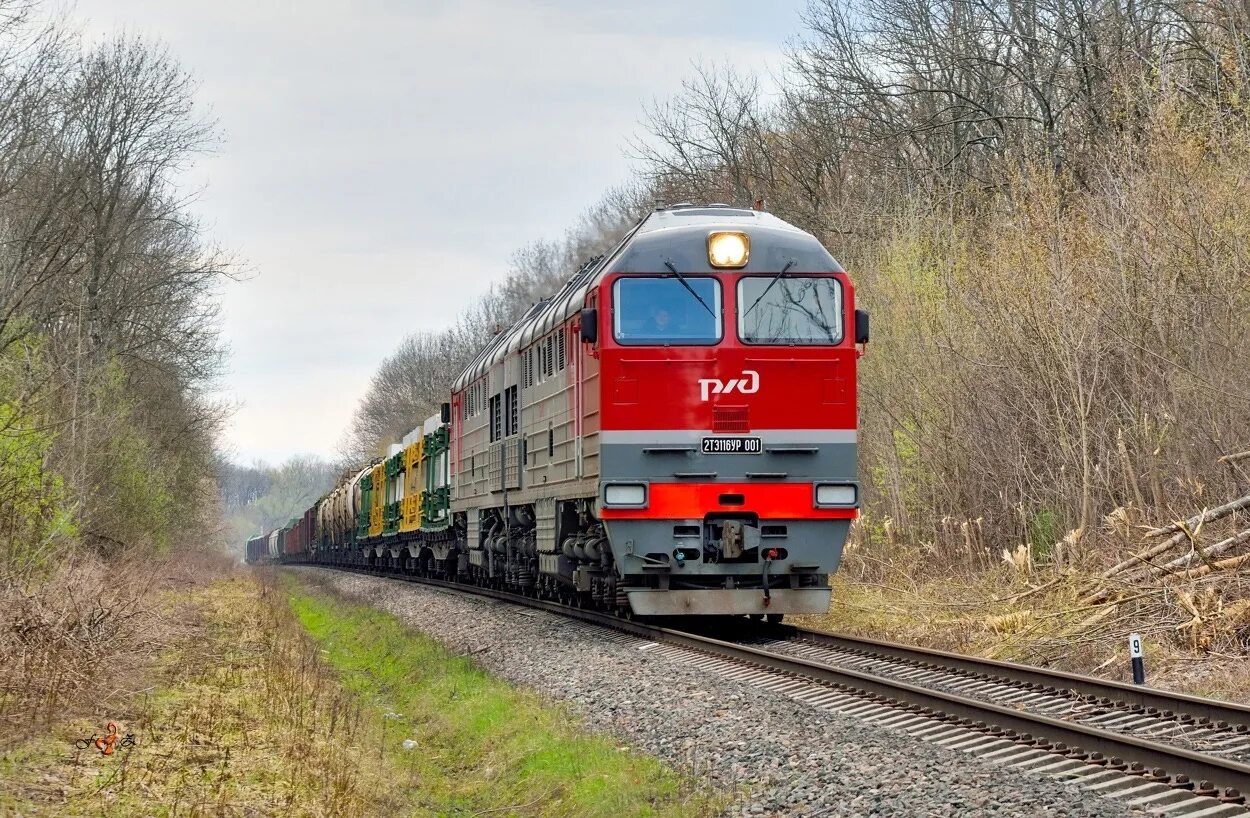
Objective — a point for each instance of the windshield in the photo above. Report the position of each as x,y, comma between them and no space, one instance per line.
789,310
661,310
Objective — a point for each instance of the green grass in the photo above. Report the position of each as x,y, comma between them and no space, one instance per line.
483,747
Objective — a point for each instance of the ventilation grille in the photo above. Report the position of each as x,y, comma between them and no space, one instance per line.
730,419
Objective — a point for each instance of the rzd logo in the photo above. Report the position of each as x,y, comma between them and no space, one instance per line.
748,384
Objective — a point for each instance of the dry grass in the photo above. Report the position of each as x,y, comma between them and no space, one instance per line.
87,636
247,720
1196,628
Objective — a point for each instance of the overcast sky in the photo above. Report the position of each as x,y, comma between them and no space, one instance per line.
381,160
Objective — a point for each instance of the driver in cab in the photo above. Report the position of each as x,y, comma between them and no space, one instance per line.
660,324
664,323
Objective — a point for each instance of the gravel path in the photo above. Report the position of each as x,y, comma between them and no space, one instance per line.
789,759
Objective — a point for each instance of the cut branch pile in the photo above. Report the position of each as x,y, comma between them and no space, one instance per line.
1143,565
1183,578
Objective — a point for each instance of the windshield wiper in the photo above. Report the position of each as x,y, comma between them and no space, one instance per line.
776,278
689,289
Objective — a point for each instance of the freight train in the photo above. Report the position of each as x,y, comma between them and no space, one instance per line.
673,432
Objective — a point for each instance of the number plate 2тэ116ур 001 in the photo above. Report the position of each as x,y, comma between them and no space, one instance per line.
732,445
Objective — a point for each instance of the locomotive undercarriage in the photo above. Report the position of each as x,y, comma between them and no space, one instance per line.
722,564
507,554
504,555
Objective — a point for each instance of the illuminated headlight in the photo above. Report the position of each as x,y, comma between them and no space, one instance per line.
625,494
728,249
836,495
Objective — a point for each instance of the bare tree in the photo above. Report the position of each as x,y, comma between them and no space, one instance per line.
713,136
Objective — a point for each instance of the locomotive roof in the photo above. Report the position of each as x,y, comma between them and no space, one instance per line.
675,236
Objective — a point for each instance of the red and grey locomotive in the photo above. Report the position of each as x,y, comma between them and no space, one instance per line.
673,432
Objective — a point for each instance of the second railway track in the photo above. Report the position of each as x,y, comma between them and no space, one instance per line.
1152,748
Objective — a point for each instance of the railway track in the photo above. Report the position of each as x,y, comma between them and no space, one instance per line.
1163,751
1206,725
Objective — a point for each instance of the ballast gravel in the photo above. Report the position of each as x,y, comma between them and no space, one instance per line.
783,757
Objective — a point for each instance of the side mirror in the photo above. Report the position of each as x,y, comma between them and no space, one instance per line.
444,413
590,325
861,326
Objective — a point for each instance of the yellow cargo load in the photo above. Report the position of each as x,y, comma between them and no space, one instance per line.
378,500
414,484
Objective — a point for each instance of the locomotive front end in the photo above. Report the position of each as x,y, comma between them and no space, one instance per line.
727,447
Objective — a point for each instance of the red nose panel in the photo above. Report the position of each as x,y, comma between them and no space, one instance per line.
692,501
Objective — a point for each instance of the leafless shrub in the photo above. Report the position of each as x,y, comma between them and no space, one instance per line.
87,637
1041,204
